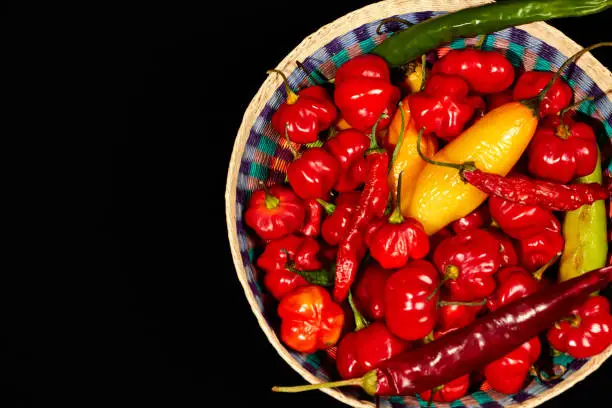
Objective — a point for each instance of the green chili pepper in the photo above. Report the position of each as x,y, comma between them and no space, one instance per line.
410,43
584,230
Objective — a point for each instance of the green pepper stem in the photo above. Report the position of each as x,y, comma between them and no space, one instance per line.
481,41
292,97
290,143
574,105
360,321
424,71
390,19
460,167
368,382
450,273
310,76
537,275
270,201
328,207
373,143
396,216
442,303
400,139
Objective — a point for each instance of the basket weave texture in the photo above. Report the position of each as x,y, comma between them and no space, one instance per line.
260,153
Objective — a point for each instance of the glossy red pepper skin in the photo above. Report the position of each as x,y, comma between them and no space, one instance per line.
392,244
537,250
363,350
312,113
473,257
363,92
312,221
455,316
348,147
486,339
485,71
408,312
588,333
562,151
313,174
276,214
508,374
479,218
513,283
450,392
497,99
438,237
507,251
335,224
371,205
442,107
370,291
522,221
311,321
530,83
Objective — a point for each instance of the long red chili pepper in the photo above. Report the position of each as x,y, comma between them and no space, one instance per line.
472,347
372,203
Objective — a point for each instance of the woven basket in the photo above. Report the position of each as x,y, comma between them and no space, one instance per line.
260,153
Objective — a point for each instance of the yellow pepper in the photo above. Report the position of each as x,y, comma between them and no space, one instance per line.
407,159
413,79
495,143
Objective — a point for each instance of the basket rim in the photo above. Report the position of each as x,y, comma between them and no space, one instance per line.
376,11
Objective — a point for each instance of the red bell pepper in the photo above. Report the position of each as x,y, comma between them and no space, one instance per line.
313,174
587,332
529,85
442,108
304,114
310,320
275,212
536,250
312,222
479,218
522,221
507,251
335,224
411,300
485,71
363,92
467,262
507,374
370,291
562,150
348,147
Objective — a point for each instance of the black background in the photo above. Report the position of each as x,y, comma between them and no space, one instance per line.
185,334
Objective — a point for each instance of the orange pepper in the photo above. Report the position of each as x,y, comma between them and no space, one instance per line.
342,124
495,143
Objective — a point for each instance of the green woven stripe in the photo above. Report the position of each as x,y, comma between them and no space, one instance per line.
515,54
563,359
258,171
488,45
481,397
457,44
367,45
457,404
608,128
266,145
588,107
313,360
542,65
340,58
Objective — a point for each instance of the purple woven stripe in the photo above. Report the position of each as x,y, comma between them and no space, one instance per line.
521,396
518,36
491,404
244,169
254,138
596,92
276,177
334,47
423,15
547,52
577,364
253,286
241,198
361,33
267,112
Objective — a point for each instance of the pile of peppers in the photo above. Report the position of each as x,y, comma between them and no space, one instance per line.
454,213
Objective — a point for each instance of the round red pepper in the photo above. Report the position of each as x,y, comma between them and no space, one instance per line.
530,83
313,174
536,250
364,92
410,308
467,262
477,219
507,374
454,316
275,212
562,150
311,321
438,237
506,247
305,114
442,107
522,221
484,71
348,147
587,332
370,291
335,224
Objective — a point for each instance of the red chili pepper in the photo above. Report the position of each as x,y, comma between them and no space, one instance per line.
587,332
312,223
304,114
537,250
395,240
497,99
372,204
477,219
338,217
522,221
364,92
311,321
467,262
506,247
485,71
275,212
442,107
313,174
507,374
348,147
370,291
453,315
562,150
529,85
411,300
471,348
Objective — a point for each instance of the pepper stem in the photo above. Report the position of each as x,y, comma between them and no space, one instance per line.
368,382
292,97
400,139
309,74
360,321
396,216
481,40
450,273
390,19
424,73
290,143
373,142
328,207
270,201
461,167
442,303
574,105
537,275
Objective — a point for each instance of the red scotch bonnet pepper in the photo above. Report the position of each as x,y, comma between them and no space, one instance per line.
348,147
508,374
364,92
370,291
535,251
454,315
520,220
304,114
338,216
313,173
530,83
507,252
275,212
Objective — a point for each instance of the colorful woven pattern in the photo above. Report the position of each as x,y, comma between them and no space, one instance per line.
266,157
